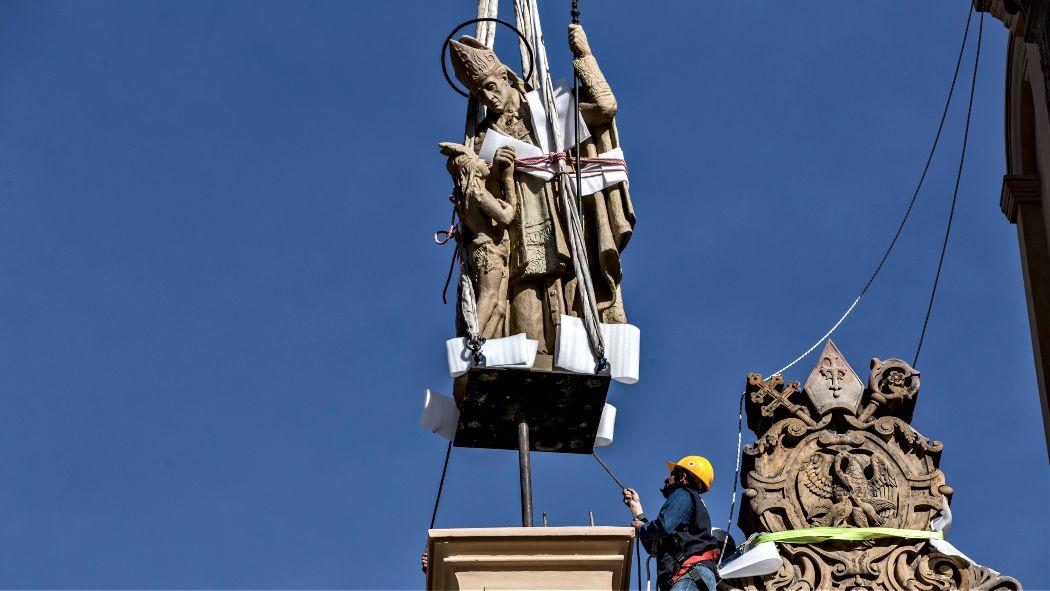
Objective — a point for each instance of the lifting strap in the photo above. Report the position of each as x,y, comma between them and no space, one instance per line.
527,17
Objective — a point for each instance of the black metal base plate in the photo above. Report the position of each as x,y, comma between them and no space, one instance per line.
562,409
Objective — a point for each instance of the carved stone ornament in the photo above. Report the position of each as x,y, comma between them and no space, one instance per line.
862,466
833,383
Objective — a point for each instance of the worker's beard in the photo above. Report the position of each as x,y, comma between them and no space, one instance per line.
670,487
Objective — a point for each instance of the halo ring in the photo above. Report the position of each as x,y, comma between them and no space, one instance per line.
444,48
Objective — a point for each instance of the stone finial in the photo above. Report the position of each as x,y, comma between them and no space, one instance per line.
833,383
893,386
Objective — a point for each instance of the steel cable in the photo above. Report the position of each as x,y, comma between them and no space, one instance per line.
955,192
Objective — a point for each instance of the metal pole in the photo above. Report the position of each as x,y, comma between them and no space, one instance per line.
525,468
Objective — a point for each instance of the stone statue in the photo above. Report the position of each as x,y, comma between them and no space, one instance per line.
846,456
485,218
514,226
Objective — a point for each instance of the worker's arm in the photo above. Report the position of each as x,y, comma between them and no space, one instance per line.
676,511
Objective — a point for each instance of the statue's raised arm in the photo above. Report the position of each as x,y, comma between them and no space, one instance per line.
597,103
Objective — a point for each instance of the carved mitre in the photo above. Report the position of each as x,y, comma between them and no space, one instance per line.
833,383
472,61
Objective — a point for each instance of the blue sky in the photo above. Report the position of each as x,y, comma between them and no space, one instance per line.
220,303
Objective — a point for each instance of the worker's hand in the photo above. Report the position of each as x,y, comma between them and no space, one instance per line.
503,161
424,561
637,523
632,500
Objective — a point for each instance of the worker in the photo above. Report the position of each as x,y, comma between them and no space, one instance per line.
680,537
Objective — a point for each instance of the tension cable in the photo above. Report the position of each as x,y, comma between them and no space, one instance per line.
893,241
955,192
911,203
441,486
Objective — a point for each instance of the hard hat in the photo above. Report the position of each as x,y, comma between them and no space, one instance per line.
697,466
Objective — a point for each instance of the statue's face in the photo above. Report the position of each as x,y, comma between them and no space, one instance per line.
495,92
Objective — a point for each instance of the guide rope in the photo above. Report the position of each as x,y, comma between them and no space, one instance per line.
955,191
911,202
550,163
889,248
441,486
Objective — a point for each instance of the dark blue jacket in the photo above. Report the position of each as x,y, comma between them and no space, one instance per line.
682,529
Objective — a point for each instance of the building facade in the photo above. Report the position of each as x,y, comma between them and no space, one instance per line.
1026,182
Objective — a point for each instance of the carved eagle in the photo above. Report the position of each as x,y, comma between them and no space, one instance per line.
845,493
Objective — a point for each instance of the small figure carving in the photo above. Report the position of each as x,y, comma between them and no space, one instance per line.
486,219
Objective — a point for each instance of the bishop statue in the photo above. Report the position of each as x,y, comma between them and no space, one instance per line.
513,227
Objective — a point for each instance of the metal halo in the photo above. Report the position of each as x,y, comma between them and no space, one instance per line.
444,48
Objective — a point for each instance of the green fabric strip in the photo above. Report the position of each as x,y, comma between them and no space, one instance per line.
813,535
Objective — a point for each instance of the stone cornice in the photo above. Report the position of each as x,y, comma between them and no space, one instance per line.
1019,189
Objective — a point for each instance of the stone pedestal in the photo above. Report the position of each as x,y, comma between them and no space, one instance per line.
530,558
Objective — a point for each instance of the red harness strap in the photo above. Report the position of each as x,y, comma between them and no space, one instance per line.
693,561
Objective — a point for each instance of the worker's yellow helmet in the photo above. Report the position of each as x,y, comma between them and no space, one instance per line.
697,466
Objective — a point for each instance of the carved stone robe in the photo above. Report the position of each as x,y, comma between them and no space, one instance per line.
542,283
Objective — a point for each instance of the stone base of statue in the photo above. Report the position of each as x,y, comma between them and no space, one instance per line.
530,558
843,457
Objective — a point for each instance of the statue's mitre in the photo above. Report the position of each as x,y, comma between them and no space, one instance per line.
472,61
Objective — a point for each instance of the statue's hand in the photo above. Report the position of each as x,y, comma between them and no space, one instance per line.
578,41
602,110
503,161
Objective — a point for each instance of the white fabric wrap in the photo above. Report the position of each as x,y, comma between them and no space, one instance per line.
943,523
514,351
439,415
593,177
763,559
572,351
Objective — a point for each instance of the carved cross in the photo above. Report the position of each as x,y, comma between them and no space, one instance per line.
833,369
777,398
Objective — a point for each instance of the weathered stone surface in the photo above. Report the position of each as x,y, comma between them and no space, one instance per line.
833,383
862,465
513,235
530,558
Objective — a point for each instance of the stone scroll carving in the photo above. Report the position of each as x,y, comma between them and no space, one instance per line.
837,453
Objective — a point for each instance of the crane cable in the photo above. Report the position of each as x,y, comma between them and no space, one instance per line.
955,192
893,241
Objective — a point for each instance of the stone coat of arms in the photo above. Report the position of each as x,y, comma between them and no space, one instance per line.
839,454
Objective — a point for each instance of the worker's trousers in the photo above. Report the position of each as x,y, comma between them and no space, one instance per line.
707,582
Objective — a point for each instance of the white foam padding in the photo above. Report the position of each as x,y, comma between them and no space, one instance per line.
513,351
439,415
606,427
763,559
572,350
